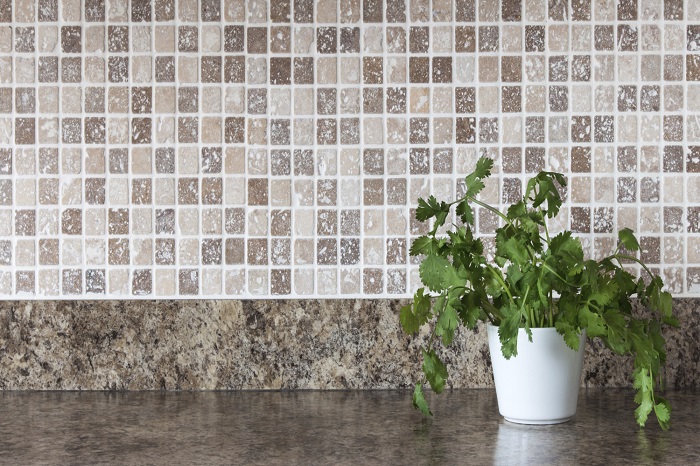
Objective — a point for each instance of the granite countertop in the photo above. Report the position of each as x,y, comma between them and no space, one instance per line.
330,427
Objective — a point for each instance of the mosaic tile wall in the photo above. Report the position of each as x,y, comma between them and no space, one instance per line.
244,148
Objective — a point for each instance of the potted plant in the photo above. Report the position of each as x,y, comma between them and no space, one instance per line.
534,287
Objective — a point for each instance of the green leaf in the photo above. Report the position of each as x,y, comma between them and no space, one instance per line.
464,211
414,316
592,322
419,401
424,245
434,370
432,272
643,384
662,409
628,239
571,335
447,324
473,181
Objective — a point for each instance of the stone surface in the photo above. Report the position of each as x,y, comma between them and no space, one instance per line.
331,427
310,344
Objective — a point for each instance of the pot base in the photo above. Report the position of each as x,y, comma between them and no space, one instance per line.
537,423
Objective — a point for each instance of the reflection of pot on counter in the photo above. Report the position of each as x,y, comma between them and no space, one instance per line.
520,444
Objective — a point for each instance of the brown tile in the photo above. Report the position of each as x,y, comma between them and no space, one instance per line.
558,98
188,38
419,161
465,99
211,10
419,130
419,69
349,130
48,11
372,11
419,39
188,281
141,282
604,37
673,219
396,100
141,12
71,39
373,192
488,38
118,251
141,191
511,69
95,281
234,69
280,281
326,131
303,70
281,223
48,69
258,191
692,67
211,69
511,99
94,191
188,191
25,100
257,251
372,70
373,161
534,159
604,128
581,68
327,251
626,189
511,10
627,159
95,100
465,10
165,221
72,222
234,130
581,10
511,159
372,281
466,130
234,38
71,130
395,39
117,69
581,219
349,251
649,189
673,10
257,40
372,100
442,69
165,251
235,251
693,219
465,39
257,101
534,38
280,11
6,11
211,251
280,70
558,68
140,130
327,222
118,161
25,131
627,10
188,129
118,39
280,132
534,129
118,221
396,11
627,38
212,191
349,222
141,100
581,129
95,130
580,159
24,39
164,10
48,252
349,40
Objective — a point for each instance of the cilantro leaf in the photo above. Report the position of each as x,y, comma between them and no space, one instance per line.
432,272
473,181
434,370
628,239
447,324
419,401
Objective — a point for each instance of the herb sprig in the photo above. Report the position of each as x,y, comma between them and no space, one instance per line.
534,280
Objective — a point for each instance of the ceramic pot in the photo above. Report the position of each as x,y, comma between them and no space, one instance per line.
540,385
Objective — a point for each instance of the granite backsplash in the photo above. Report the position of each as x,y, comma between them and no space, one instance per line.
267,344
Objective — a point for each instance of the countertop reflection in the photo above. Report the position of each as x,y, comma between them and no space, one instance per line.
330,427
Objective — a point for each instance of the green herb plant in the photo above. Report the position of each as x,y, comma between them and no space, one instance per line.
535,280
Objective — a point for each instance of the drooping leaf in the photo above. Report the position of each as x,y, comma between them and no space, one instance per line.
413,316
424,245
662,410
627,238
434,370
419,401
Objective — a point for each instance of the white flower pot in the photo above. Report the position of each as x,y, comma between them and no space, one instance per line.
540,385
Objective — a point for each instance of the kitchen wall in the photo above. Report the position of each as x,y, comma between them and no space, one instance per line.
159,153
250,149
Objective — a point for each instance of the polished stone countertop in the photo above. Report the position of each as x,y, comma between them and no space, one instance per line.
330,427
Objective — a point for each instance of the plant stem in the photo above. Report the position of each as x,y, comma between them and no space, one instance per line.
634,259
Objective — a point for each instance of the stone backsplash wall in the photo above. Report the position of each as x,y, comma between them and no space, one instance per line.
244,148
264,344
